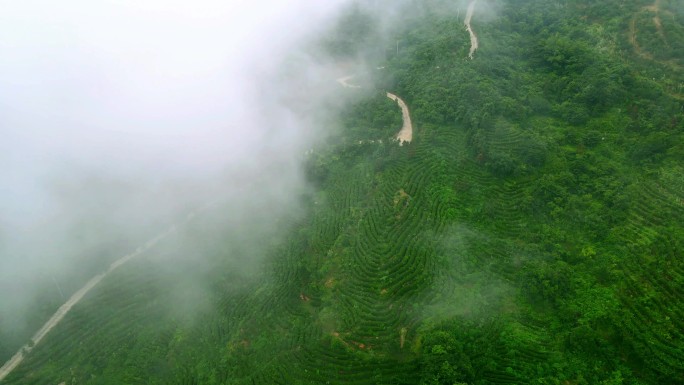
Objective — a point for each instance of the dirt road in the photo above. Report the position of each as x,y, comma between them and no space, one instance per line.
406,132
657,21
655,8
344,81
473,37
18,357
64,309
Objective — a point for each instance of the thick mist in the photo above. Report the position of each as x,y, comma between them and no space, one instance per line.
119,117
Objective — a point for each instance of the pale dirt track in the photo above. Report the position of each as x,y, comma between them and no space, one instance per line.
404,135
643,53
18,357
655,8
473,38
344,81
406,132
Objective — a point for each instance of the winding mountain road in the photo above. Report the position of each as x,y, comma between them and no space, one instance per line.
643,53
405,134
344,81
18,357
473,38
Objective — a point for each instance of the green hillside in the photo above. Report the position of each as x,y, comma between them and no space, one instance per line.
531,233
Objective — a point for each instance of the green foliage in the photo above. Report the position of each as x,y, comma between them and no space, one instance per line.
531,233
445,360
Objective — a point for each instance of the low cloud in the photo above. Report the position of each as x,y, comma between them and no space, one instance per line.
119,117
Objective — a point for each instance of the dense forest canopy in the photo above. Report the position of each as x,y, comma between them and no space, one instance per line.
531,232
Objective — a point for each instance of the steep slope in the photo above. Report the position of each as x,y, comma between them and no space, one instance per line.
531,232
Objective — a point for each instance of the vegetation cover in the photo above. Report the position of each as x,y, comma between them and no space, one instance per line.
531,233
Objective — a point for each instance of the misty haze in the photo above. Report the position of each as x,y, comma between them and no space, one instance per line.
341,192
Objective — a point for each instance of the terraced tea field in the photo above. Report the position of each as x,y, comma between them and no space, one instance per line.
530,232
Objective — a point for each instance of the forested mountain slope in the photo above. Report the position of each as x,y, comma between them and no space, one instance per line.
531,232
